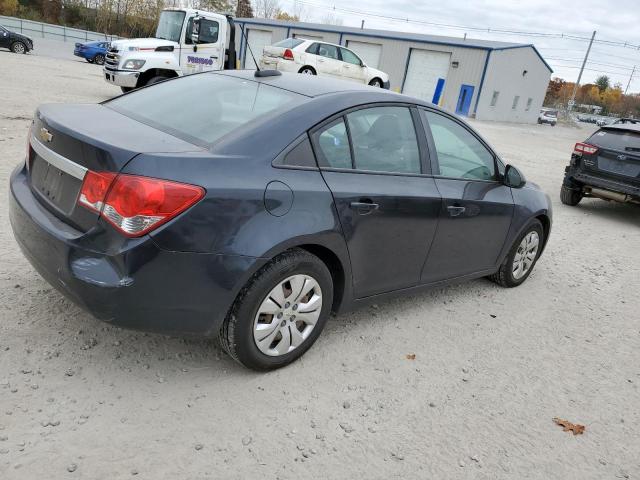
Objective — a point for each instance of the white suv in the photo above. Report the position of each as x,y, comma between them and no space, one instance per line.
312,57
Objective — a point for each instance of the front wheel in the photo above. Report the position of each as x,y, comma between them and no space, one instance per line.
156,79
376,82
99,59
569,196
18,47
280,313
126,89
522,257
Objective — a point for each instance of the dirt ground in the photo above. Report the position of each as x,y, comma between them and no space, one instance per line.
493,367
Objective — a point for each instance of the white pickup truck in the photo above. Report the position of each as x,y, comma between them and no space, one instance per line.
187,41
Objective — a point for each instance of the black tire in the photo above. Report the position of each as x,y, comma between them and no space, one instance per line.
553,124
126,89
156,79
504,276
569,196
306,70
539,122
236,334
98,59
19,47
376,82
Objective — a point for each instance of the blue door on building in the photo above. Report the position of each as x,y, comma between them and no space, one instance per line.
464,100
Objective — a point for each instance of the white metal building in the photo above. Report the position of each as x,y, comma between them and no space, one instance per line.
477,78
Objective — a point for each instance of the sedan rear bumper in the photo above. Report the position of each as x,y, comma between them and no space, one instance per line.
133,285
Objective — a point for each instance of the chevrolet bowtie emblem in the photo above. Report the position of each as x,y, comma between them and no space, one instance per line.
45,136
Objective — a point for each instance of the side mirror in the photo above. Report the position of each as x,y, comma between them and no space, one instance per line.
513,177
195,31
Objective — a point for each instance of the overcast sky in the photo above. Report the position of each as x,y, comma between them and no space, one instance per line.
615,21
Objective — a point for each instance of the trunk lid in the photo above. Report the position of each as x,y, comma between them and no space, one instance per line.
68,140
618,154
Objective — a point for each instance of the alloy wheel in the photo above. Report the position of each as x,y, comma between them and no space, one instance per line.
18,47
525,255
287,315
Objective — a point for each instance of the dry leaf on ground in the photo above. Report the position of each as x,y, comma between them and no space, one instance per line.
411,356
567,426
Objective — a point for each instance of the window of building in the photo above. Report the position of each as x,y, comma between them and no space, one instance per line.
494,98
516,99
529,102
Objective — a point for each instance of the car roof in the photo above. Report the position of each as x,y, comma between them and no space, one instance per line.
314,86
630,127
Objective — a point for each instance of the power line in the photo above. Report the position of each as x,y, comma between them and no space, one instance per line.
590,62
500,31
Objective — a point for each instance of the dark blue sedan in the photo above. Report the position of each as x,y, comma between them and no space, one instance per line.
92,52
251,208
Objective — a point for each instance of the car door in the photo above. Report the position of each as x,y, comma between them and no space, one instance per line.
5,38
328,60
477,207
376,165
207,54
352,67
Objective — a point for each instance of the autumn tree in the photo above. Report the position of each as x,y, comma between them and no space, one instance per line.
285,16
244,9
9,7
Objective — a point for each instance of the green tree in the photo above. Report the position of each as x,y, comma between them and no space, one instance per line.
602,82
244,9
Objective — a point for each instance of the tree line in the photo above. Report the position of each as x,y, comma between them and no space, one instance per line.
601,93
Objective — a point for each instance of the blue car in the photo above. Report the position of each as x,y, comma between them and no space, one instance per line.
249,205
92,52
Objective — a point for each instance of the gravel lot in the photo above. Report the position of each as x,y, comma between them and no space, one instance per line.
81,399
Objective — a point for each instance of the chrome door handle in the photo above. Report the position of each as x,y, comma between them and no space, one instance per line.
455,210
364,208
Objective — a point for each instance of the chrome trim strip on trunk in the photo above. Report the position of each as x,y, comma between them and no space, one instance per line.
58,160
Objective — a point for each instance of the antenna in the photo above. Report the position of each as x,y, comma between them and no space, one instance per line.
249,47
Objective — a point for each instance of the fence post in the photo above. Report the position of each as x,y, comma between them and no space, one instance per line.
20,25
64,33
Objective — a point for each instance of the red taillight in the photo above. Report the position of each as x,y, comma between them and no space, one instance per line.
581,148
136,205
288,54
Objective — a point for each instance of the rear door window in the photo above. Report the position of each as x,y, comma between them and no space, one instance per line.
384,140
332,145
329,51
622,140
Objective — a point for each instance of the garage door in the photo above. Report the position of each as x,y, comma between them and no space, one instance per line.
369,52
427,71
307,37
258,39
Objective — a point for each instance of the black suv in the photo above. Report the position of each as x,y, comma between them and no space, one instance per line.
15,42
606,165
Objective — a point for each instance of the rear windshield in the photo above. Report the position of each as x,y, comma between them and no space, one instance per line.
203,108
288,43
617,140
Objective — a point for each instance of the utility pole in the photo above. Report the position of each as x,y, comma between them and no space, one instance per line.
362,25
584,62
629,82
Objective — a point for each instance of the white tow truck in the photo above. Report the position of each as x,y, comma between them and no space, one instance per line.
187,41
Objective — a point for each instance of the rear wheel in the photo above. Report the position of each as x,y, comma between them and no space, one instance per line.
522,257
280,313
126,89
99,59
376,82
18,47
307,71
569,196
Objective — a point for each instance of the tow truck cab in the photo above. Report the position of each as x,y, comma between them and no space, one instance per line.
186,41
